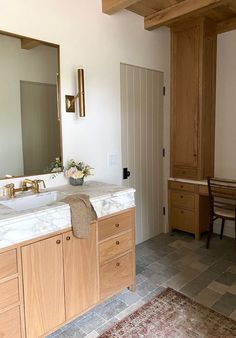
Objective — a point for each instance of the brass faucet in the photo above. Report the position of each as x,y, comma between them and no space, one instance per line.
27,184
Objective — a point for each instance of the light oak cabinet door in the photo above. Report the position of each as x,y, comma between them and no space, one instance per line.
80,268
185,97
42,264
193,99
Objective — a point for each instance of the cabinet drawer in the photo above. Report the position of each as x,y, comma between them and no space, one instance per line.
182,199
116,246
9,293
116,275
185,173
181,186
8,264
115,224
182,219
10,324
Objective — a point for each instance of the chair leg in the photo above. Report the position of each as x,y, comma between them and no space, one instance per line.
222,228
210,233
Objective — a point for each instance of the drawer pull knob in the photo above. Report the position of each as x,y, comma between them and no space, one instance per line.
67,238
181,186
117,264
58,241
117,242
117,225
182,212
181,196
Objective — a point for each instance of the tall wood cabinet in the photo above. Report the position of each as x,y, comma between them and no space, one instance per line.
193,99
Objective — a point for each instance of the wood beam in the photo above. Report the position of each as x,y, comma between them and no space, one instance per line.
226,25
27,43
184,9
232,5
113,6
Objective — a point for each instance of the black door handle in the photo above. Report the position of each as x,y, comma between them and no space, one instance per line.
126,173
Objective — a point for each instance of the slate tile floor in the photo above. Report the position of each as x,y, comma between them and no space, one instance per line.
175,260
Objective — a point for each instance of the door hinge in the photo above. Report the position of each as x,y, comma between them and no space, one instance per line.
164,211
163,152
164,90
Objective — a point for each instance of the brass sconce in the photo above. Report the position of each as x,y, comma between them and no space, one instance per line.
70,100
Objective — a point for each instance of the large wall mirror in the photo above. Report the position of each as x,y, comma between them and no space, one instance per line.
30,129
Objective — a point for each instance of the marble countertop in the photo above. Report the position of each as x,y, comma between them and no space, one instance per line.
19,226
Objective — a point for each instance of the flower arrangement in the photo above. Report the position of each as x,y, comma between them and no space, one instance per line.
76,170
55,167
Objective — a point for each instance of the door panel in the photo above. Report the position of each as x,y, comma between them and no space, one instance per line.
43,286
80,265
142,142
185,96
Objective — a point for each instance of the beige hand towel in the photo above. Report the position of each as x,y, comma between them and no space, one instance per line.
82,214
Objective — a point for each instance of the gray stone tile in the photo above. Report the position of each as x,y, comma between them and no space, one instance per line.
110,309
107,325
140,278
199,283
90,322
153,293
144,261
227,278
145,287
71,332
226,304
220,266
129,297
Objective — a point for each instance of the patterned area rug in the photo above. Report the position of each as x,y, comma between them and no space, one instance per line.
172,315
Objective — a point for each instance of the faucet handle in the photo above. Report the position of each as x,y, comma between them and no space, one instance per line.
10,189
39,182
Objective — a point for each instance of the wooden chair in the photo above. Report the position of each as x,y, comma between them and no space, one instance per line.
222,199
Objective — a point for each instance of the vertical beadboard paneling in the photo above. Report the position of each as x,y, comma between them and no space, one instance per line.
142,138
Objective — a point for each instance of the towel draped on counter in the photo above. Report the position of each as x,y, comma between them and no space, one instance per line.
82,214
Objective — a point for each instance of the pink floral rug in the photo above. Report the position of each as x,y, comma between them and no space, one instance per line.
172,315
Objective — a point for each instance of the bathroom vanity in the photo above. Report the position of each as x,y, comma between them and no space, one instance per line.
47,276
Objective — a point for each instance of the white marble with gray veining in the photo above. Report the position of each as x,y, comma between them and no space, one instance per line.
19,226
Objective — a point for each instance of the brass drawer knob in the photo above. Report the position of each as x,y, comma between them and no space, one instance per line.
181,196
181,186
117,264
117,242
182,212
117,225
58,241
67,238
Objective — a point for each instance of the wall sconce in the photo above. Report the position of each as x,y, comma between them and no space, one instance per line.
70,100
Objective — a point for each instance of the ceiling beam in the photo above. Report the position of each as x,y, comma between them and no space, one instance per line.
232,5
27,43
113,6
184,9
226,25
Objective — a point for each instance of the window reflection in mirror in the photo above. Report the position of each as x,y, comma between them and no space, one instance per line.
29,124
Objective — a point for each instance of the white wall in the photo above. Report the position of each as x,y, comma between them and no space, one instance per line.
225,157
98,43
38,65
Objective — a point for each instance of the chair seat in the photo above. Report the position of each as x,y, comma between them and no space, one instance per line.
227,213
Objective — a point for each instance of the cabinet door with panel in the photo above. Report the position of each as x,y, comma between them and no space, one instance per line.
80,268
185,73
43,281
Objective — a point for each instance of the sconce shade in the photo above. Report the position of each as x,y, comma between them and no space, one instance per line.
81,101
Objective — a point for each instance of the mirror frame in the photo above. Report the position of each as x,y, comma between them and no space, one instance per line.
58,84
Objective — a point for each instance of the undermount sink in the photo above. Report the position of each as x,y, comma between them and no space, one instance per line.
22,203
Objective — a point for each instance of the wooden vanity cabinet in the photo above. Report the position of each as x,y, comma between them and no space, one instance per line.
43,281
193,99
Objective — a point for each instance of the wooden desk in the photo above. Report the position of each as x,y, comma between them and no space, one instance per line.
188,207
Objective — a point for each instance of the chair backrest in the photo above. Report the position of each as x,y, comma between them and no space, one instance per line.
222,193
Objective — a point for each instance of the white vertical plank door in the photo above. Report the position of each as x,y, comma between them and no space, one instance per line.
142,144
